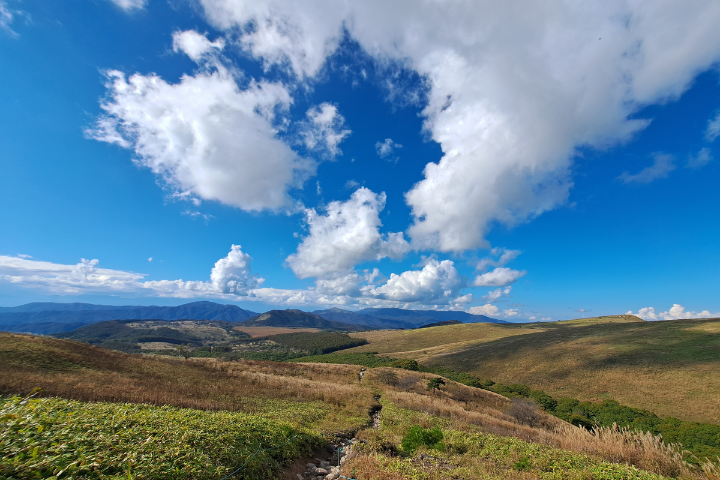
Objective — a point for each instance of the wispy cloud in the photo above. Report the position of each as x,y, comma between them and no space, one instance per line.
129,5
713,129
703,157
662,165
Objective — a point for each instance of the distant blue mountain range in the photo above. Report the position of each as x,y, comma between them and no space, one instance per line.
48,318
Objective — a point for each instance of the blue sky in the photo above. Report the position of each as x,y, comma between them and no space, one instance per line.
526,163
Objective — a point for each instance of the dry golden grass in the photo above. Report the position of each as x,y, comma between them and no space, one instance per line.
256,332
671,368
620,445
79,371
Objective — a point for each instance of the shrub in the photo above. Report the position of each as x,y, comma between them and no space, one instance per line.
435,383
408,382
524,411
388,378
418,436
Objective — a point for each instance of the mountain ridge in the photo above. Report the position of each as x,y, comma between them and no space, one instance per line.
50,318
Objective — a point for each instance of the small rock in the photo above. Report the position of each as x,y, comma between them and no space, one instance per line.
310,465
324,464
332,476
321,472
300,477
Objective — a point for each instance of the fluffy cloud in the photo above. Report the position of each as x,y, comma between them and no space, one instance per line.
324,130
662,165
677,312
498,277
297,36
497,294
195,45
488,310
231,276
346,283
128,5
386,148
346,235
508,135
703,157
204,137
437,282
713,129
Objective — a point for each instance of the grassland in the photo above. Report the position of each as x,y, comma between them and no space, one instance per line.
256,332
78,371
671,368
139,416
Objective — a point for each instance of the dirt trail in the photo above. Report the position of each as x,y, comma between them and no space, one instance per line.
326,463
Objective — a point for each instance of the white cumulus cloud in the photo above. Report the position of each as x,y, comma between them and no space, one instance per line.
677,312
195,45
204,137
488,310
386,148
324,130
662,165
498,277
347,234
497,294
508,134
437,282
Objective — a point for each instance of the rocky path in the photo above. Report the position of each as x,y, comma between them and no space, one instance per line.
327,464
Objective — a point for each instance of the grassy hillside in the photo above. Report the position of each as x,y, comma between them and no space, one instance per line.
58,438
671,368
201,418
135,335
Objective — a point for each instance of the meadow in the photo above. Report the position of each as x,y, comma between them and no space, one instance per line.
671,368
154,415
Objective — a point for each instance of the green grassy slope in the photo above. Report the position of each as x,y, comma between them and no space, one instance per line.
58,438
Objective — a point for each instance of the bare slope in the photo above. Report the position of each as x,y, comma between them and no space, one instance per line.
671,368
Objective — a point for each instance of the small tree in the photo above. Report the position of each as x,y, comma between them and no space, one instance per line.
435,384
388,377
185,351
407,382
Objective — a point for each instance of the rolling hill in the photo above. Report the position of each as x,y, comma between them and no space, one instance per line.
298,318
135,335
167,418
670,367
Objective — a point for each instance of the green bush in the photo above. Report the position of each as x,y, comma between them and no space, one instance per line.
418,436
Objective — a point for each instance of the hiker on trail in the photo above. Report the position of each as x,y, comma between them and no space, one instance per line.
361,374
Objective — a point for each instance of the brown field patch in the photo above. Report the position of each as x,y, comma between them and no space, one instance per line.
256,332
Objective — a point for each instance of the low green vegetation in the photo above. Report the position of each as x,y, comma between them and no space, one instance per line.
318,343
701,440
433,449
51,437
418,436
